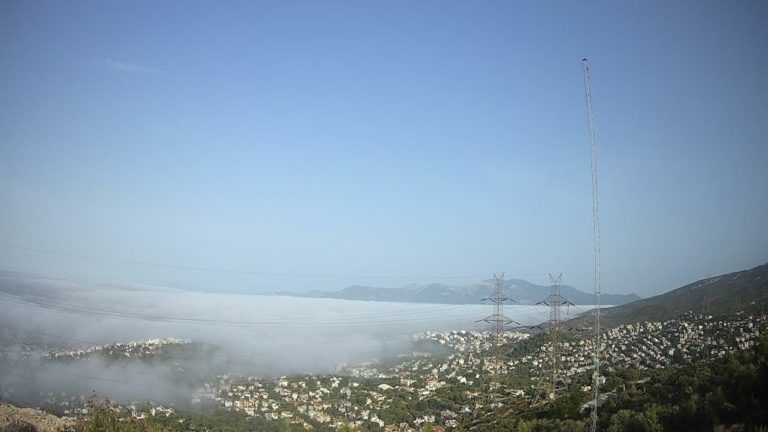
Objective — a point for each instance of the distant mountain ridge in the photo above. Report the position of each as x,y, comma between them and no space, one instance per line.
35,287
745,290
519,290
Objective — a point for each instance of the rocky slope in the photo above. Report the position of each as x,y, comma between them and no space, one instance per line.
42,421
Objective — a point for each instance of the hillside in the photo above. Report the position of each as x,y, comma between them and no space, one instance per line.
725,294
10,416
521,291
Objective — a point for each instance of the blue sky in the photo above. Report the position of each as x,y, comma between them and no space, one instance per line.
382,143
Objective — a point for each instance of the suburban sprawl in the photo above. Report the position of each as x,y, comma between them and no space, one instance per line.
436,388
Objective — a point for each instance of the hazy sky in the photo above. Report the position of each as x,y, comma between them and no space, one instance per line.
382,143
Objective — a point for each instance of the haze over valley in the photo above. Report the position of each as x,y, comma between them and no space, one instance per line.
250,334
431,216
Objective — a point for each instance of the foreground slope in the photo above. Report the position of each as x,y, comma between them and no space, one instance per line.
42,421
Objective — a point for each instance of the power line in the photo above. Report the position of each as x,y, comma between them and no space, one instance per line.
225,270
408,311
291,322
63,307
271,356
53,336
134,383
315,342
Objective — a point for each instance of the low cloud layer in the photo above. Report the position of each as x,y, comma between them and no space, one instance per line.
253,335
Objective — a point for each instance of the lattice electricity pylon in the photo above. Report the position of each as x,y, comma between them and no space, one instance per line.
498,320
554,300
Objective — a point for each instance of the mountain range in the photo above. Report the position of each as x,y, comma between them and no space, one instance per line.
519,290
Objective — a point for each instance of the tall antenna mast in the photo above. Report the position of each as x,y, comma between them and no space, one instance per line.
595,236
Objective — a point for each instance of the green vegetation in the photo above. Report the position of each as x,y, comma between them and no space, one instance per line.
729,394
702,396
105,418
18,426
725,394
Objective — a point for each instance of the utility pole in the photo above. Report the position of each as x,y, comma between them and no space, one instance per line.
595,236
554,300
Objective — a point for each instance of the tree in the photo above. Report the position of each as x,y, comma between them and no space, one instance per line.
627,421
522,426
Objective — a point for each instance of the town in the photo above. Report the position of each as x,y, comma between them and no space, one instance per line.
425,388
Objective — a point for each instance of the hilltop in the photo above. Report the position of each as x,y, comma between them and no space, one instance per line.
745,290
